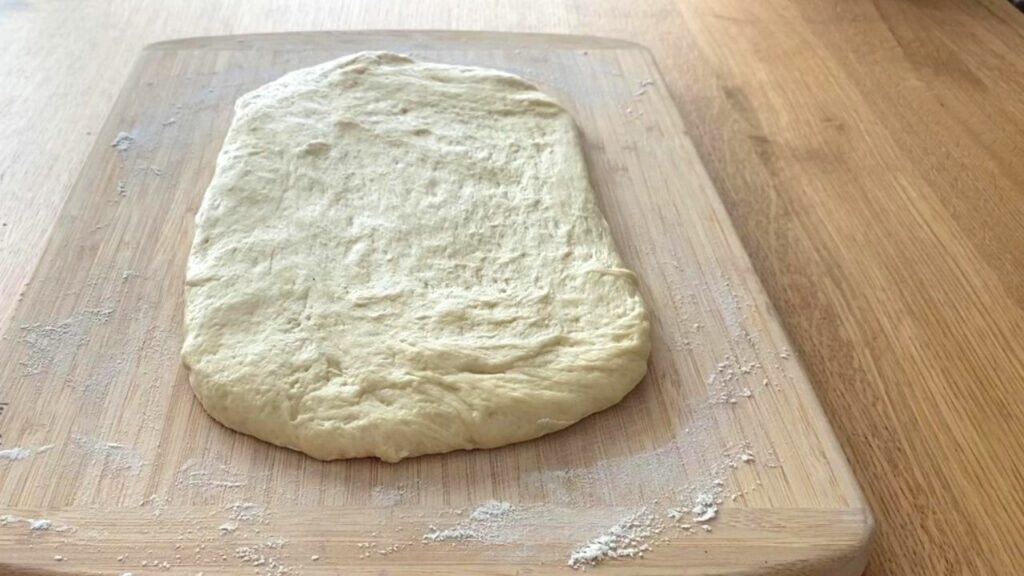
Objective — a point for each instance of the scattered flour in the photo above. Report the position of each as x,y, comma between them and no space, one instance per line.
15,454
387,497
157,503
368,549
123,142
705,508
491,511
45,343
118,457
247,512
644,84
266,557
198,477
630,538
729,380
485,523
34,524
457,533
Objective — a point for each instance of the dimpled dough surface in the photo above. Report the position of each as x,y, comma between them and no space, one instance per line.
398,258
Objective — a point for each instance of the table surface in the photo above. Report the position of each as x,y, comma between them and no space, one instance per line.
868,153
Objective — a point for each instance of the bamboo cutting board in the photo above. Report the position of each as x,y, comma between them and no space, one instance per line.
109,465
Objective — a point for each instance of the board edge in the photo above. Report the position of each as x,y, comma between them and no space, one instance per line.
470,38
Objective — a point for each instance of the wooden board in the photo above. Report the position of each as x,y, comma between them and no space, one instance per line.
103,437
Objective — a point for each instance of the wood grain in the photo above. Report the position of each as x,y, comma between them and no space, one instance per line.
866,152
97,334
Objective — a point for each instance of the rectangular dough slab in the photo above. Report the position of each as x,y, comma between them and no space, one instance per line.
90,365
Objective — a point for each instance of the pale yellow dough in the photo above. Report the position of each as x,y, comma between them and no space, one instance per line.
397,258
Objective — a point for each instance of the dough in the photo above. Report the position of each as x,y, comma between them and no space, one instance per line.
398,258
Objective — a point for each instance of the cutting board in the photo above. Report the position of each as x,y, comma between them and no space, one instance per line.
720,462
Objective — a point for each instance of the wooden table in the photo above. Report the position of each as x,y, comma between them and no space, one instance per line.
868,152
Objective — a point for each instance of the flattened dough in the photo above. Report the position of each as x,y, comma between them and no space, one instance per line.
398,258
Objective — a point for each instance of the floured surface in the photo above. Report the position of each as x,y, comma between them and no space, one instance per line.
397,258
723,422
